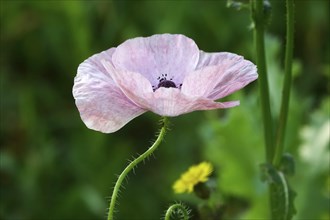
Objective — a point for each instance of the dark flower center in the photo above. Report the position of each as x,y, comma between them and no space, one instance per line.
166,83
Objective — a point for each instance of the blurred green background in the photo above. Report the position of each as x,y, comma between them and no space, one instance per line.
53,167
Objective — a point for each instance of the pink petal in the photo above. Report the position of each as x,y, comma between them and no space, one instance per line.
133,85
214,59
164,101
230,74
102,105
171,102
174,55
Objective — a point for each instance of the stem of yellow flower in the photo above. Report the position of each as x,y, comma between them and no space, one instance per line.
133,164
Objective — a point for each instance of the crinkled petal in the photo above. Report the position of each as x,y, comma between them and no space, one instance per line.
214,59
171,102
102,105
164,101
202,82
133,85
226,74
174,55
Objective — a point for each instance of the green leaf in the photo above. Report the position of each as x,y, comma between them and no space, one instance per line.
282,196
287,165
238,5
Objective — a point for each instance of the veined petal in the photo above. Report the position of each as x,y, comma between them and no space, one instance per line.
201,83
163,101
229,104
174,55
231,73
235,78
102,105
133,85
171,102
214,59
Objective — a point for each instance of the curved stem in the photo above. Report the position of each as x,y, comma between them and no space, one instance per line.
287,84
258,14
132,164
171,209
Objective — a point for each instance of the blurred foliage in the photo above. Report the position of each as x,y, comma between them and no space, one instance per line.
53,167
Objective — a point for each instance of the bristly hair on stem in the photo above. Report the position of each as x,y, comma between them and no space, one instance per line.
133,164
177,210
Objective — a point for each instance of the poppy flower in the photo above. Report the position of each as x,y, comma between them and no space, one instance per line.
166,74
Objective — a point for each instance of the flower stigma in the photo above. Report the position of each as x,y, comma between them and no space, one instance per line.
164,82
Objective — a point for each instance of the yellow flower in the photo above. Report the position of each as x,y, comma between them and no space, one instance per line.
196,174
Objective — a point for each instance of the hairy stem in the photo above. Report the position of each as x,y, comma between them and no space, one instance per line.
132,164
287,83
258,14
180,207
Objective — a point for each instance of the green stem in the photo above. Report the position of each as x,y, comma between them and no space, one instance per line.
181,208
287,84
258,13
132,164
259,21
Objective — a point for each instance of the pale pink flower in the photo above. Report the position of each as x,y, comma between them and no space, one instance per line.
166,74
